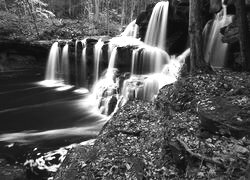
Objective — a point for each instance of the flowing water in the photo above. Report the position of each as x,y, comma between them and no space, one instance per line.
53,63
97,58
54,113
64,71
157,28
215,51
38,122
131,30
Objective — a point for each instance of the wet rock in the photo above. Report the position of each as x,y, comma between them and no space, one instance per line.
111,104
231,32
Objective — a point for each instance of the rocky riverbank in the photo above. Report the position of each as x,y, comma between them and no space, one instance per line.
197,128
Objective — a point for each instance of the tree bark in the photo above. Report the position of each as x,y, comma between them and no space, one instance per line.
197,62
133,4
97,10
123,12
243,33
33,16
107,4
5,6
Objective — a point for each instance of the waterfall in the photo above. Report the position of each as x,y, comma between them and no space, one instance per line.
135,55
157,28
151,66
215,51
76,63
52,63
112,59
65,65
131,30
97,58
84,65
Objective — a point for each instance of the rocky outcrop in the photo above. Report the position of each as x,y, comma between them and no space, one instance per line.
16,55
177,34
11,172
223,116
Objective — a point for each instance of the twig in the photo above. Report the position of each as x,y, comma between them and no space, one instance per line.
199,156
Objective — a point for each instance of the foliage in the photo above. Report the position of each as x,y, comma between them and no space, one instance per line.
47,19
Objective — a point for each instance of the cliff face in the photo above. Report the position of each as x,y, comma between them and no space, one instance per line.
178,17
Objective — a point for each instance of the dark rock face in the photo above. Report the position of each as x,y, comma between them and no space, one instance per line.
177,34
215,6
221,116
16,55
143,20
231,36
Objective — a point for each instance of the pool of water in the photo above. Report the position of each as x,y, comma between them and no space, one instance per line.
36,120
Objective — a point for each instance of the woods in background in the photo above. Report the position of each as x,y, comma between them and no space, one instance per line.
46,19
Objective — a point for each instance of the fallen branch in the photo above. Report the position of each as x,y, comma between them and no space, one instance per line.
199,156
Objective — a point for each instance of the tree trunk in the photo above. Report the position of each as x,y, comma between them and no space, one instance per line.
243,33
97,10
5,6
133,4
197,62
107,4
33,17
123,12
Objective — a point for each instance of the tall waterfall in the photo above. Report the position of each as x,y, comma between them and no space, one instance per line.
97,58
83,66
215,51
131,30
52,63
65,65
157,28
151,66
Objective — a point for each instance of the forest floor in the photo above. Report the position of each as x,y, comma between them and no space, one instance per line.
197,128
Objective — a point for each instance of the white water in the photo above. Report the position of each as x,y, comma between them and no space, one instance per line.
53,63
157,28
84,68
97,58
151,66
131,30
215,51
65,64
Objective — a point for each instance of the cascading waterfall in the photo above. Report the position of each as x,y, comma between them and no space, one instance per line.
84,64
151,66
215,51
53,63
157,27
97,58
150,58
76,63
112,59
65,65
131,30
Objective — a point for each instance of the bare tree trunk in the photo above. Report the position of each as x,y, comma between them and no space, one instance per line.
33,16
133,4
107,4
197,62
243,33
97,10
5,6
123,12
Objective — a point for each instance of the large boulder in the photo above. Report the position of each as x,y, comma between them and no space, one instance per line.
225,116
